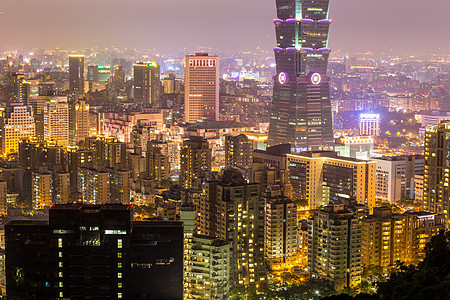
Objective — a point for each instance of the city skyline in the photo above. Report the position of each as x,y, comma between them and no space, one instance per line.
148,25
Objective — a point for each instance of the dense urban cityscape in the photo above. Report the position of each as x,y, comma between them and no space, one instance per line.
297,172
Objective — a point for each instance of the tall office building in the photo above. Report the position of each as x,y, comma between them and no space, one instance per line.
201,88
436,194
334,246
195,161
16,124
147,83
321,176
56,121
301,107
76,73
94,251
78,121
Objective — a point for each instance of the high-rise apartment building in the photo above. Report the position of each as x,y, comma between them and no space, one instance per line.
169,83
280,227
235,214
78,121
120,186
42,190
158,164
436,194
56,121
201,88
321,176
94,186
206,262
108,151
238,153
76,73
388,238
147,83
3,198
16,124
334,245
61,188
395,177
369,124
269,167
195,161
94,251
301,107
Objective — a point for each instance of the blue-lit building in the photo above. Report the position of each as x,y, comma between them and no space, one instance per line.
301,109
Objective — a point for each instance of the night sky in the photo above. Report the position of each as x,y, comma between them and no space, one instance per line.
228,25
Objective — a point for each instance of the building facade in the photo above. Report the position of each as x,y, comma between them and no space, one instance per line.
318,177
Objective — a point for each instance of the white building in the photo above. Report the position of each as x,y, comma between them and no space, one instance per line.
395,177
359,147
369,124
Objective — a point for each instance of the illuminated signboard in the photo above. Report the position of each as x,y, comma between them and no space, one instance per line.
152,64
369,116
283,77
315,78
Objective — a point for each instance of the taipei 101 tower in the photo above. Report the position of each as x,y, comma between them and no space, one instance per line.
301,106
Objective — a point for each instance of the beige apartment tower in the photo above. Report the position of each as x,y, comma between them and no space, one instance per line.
201,88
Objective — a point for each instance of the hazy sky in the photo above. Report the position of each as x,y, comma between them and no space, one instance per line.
221,24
